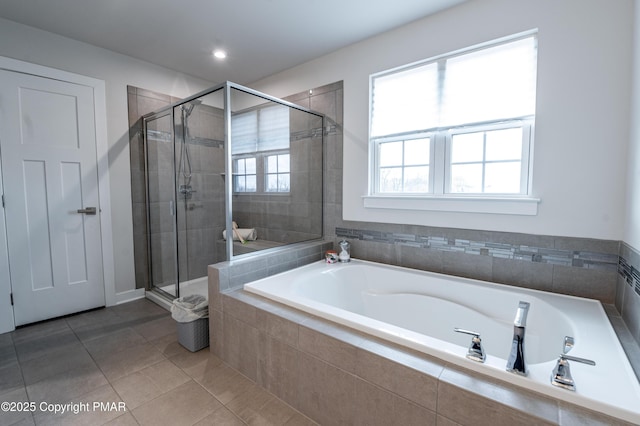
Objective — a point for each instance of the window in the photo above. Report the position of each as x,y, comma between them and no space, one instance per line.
277,173
455,125
260,150
244,174
404,165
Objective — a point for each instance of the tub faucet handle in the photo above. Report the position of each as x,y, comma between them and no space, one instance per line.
476,351
561,375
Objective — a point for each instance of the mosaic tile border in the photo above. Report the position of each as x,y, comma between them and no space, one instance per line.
573,258
315,132
630,274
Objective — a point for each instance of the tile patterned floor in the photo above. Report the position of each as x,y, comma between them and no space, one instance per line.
126,359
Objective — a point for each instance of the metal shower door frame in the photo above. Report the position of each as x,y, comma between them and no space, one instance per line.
145,120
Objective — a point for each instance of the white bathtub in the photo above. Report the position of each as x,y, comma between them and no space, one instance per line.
420,310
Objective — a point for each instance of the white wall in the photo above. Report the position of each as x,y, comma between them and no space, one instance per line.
583,108
43,48
632,223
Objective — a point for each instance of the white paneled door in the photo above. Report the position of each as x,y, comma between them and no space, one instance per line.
50,178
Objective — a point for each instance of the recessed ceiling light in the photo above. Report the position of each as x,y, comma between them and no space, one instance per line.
220,54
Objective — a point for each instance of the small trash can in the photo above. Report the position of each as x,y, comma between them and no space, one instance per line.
192,318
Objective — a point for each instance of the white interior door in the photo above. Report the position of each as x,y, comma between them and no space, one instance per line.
48,153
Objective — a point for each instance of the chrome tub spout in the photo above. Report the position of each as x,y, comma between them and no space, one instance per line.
515,362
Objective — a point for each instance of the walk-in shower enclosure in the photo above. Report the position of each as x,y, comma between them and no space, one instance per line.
228,155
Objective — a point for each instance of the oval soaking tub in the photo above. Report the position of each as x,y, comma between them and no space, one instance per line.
420,309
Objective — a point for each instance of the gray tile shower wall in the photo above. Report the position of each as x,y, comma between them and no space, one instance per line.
201,218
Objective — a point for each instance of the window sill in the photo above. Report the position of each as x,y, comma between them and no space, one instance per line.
464,204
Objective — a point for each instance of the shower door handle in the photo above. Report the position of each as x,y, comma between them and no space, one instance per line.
171,210
87,210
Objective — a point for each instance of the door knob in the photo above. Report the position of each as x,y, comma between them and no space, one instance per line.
87,210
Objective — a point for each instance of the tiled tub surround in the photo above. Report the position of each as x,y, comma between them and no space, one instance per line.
420,310
574,266
338,376
628,294
605,270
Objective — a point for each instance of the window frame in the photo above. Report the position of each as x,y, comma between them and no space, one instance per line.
440,149
277,173
404,138
526,124
261,149
261,172
236,174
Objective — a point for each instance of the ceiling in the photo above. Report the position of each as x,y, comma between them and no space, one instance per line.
262,37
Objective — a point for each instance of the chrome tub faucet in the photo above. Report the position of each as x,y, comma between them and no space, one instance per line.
515,362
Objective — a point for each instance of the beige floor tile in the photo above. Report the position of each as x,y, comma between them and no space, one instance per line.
299,419
275,412
249,403
7,350
93,318
15,417
126,419
225,383
125,362
128,354
93,330
38,331
114,342
184,405
55,362
196,364
67,385
169,345
149,383
221,417
138,310
109,410
11,378
25,421
136,389
29,349
156,328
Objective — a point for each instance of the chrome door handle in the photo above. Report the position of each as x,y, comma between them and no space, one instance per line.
88,210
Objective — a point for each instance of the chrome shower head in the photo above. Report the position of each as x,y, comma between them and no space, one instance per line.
188,107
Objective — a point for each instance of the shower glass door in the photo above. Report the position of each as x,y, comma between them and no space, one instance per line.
161,221
199,188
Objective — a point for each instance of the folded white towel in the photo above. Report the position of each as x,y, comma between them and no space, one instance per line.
248,234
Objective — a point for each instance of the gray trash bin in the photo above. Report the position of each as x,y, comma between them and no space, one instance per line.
192,318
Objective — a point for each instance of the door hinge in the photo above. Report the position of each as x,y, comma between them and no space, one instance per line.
11,295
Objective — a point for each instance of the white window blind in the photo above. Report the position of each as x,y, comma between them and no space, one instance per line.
481,85
490,84
244,132
260,130
405,101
